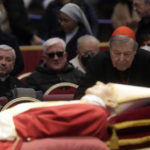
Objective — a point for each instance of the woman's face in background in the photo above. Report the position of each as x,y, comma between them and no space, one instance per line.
67,24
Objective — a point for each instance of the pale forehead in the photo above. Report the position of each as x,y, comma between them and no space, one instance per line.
88,45
8,52
122,47
123,40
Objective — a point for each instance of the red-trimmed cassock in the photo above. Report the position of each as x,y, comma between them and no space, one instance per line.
29,121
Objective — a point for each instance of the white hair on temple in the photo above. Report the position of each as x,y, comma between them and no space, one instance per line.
87,37
5,47
53,41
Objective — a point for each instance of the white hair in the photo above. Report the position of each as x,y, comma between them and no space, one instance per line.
87,37
4,47
53,41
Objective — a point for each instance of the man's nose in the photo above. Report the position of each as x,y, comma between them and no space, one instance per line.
135,9
3,62
122,57
55,56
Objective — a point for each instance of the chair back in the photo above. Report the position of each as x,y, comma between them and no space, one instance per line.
23,76
62,88
60,91
17,101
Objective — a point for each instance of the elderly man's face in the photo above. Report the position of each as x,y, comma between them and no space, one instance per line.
122,55
142,7
7,62
88,48
55,57
86,51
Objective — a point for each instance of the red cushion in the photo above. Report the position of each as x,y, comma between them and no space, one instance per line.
136,114
65,143
54,97
133,132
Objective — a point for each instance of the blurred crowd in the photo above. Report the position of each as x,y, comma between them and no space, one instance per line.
41,13
70,32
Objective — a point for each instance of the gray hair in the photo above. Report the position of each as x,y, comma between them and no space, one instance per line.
87,37
8,48
123,39
53,41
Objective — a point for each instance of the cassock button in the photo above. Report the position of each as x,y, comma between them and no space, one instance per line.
28,139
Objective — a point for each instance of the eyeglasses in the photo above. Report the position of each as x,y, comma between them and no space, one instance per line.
52,55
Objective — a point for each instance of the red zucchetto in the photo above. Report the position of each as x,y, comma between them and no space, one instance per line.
124,30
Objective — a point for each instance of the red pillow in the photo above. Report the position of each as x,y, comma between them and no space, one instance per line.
136,114
136,130
65,143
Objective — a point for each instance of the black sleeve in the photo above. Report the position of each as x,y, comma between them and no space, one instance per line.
95,72
86,81
89,79
31,81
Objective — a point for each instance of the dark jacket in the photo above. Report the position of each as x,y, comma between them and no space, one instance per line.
9,84
43,78
101,69
143,30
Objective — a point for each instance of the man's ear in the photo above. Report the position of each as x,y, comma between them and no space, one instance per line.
78,53
66,55
44,58
135,51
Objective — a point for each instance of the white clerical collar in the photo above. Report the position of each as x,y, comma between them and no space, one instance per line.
71,34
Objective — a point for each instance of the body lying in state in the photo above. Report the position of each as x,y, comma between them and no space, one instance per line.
88,116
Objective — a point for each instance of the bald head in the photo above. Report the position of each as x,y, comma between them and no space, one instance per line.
88,45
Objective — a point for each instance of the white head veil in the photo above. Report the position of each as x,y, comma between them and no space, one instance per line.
75,12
